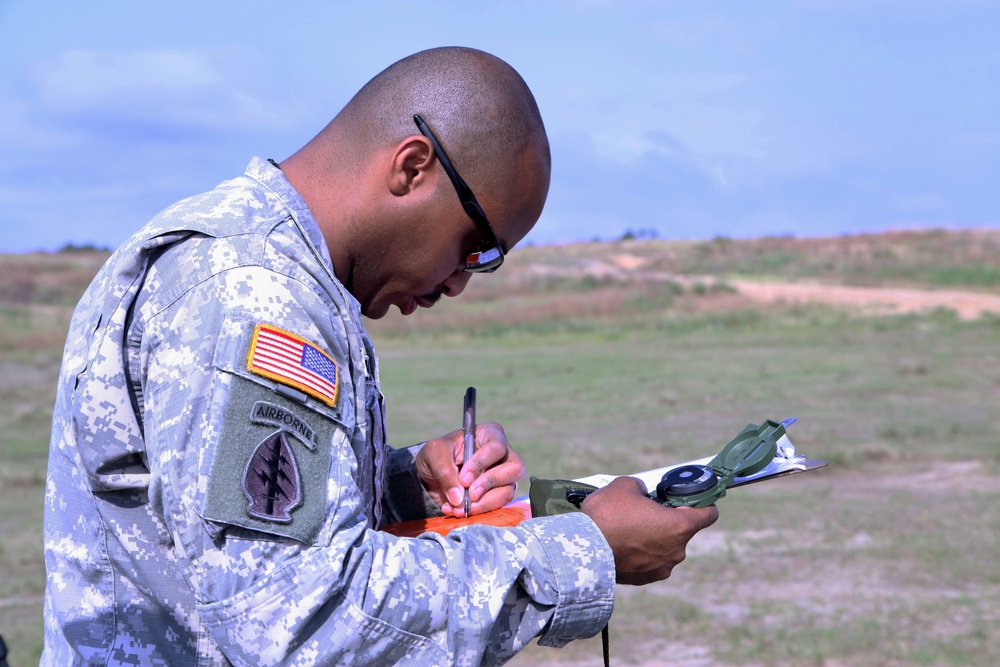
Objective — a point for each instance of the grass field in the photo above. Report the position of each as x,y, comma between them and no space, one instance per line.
890,556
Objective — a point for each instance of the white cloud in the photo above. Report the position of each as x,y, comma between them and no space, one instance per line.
99,140
702,110
89,79
165,88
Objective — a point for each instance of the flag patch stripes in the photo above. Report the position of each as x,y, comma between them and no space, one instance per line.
292,360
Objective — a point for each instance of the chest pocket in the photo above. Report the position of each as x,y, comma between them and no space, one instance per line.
283,409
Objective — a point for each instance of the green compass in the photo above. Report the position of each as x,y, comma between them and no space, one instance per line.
695,485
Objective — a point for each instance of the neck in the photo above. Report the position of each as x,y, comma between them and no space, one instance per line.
317,174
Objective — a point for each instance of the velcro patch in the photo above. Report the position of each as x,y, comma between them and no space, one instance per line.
264,476
292,360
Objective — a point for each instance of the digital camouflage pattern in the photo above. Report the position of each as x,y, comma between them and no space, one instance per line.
201,512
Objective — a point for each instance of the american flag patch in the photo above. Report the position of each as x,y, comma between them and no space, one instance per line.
294,361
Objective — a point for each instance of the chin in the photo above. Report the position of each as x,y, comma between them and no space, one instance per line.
374,311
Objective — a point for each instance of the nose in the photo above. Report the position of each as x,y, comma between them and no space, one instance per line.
455,283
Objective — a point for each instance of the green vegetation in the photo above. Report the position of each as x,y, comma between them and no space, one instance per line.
886,557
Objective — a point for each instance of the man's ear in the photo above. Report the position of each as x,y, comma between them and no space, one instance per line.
409,167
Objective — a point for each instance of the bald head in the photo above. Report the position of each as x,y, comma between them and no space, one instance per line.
478,106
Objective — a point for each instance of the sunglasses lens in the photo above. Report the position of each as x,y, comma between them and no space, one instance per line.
485,261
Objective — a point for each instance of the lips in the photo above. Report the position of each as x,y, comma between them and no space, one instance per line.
413,303
425,301
408,307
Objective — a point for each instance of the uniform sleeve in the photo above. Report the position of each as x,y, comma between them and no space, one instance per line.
257,482
405,497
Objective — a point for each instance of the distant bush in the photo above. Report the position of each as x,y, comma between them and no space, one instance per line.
638,235
83,247
975,274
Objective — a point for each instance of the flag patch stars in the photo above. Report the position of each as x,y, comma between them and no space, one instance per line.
292,360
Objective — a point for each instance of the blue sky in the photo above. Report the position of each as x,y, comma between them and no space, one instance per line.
692,119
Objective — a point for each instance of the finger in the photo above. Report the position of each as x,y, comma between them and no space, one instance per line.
507,472
437,460
494,498
492,448
502,476
700,518
623,489
632,485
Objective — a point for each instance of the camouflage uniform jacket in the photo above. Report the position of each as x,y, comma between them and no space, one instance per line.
217,467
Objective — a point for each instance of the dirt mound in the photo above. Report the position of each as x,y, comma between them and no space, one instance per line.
967,305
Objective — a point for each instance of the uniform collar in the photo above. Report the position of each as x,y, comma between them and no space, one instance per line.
271,177
268,174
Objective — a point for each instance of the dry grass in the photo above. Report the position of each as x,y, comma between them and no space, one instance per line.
968,258
638,353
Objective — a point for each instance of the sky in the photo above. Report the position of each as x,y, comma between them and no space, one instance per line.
679,119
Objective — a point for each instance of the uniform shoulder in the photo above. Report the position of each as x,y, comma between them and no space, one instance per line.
239,206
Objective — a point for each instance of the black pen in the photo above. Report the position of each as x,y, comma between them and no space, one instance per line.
469,433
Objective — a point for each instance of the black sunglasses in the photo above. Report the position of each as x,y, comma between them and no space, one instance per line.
491,253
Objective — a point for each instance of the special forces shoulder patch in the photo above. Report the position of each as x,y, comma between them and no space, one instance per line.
292,360
272,482
270,468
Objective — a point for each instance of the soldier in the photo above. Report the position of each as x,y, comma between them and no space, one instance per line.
218,468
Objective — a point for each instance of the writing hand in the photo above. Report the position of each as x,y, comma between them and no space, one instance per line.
490,475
